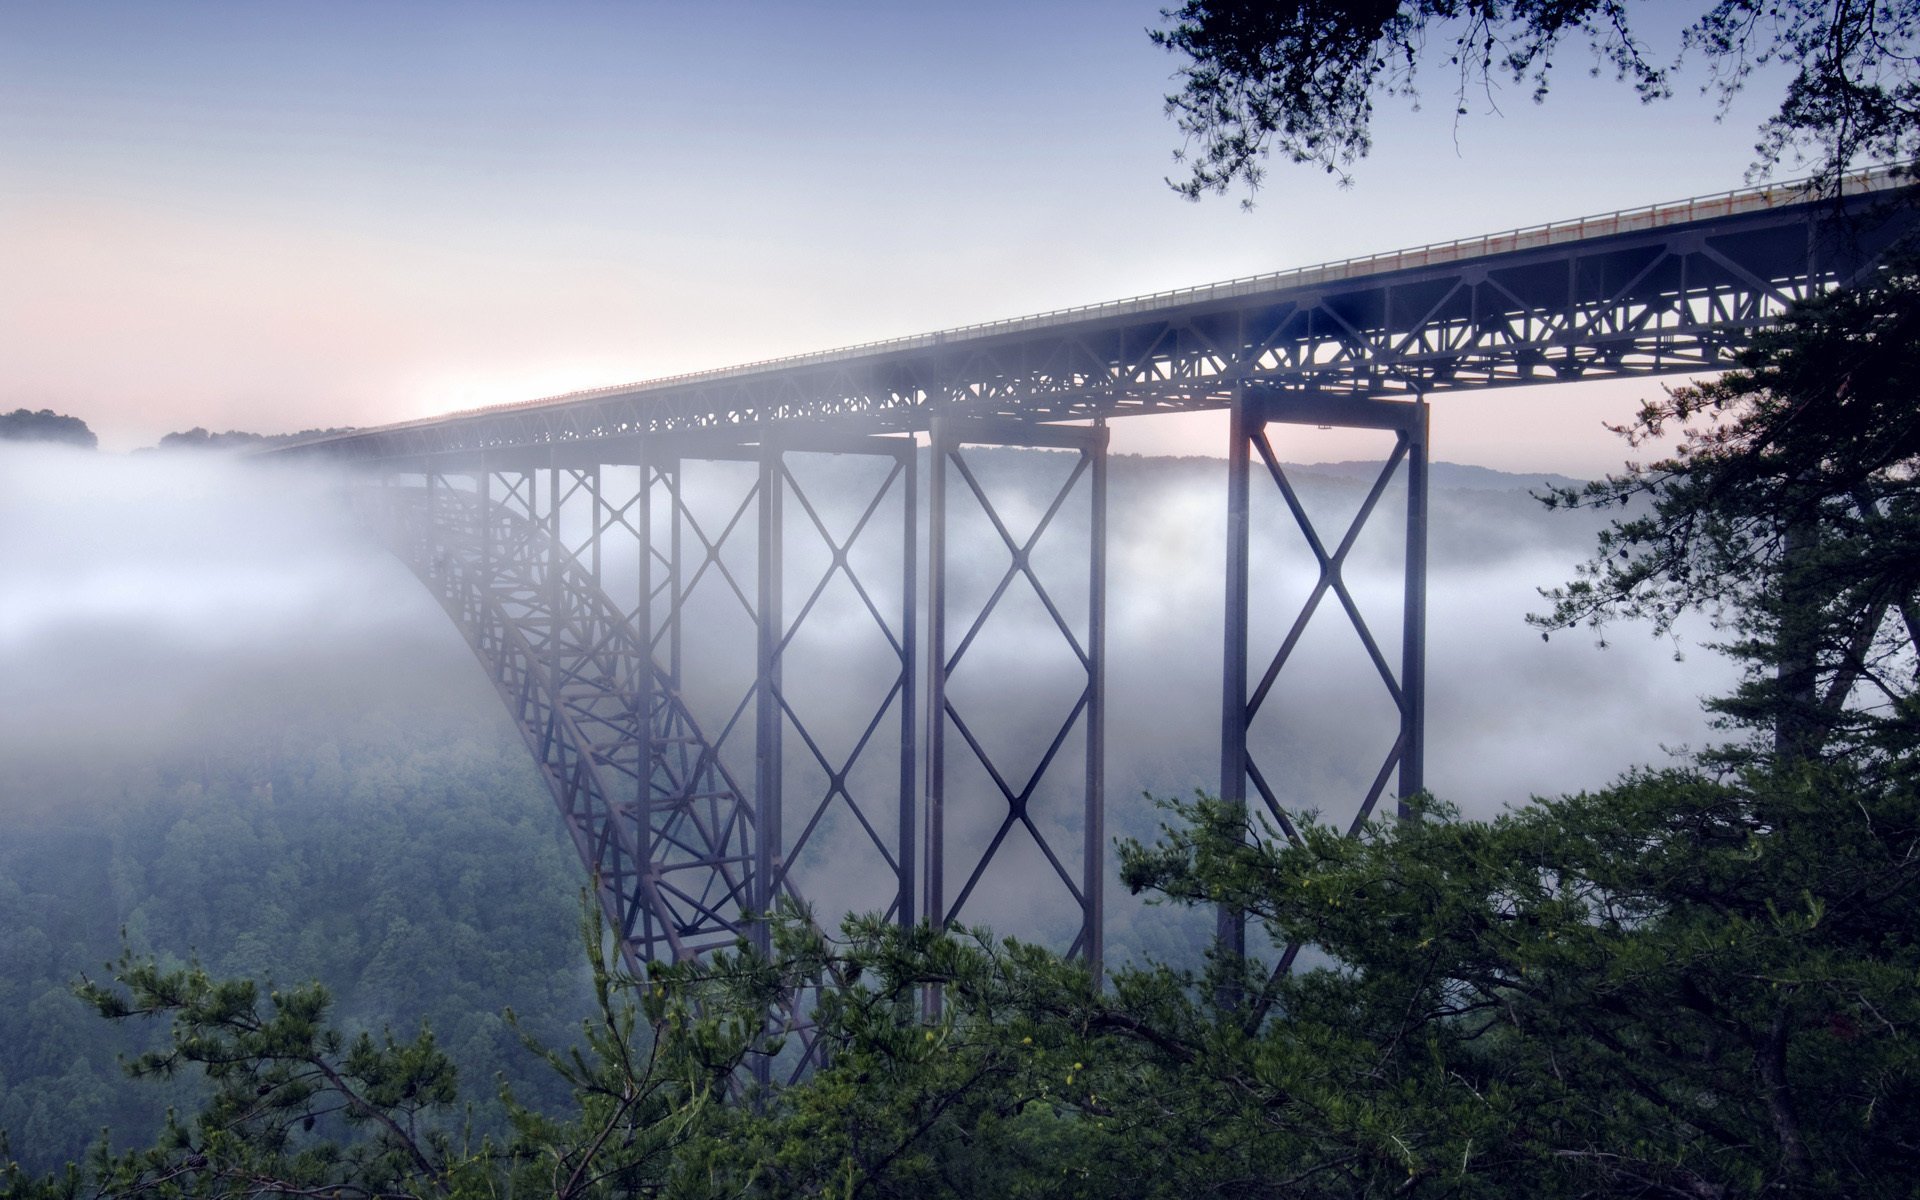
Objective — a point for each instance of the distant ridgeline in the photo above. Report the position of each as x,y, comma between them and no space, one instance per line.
1448,476
45,425
238,439
26,425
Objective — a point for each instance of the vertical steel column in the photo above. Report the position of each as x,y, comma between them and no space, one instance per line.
676,571
556,598
1413,644
1094,855
429,529
1230,924
485,514
660,633
770,768
936,736
593,506
647,688
909,621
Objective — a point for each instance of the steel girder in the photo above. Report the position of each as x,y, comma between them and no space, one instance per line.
1611,297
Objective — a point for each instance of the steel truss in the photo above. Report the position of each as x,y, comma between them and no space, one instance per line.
1243,697
1676,289
659,823
779,514
946,655
685,860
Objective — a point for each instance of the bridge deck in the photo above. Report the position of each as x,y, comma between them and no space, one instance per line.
1667,287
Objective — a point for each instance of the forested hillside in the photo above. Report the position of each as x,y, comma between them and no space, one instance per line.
408,859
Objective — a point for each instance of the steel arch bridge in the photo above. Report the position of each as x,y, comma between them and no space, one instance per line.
571,542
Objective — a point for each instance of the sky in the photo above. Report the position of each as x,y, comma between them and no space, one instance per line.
302,214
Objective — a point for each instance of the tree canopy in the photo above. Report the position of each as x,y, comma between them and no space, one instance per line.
1300,79
1788,512
1674,987
199,438
45,425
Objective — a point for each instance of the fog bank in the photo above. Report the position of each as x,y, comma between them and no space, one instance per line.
175,605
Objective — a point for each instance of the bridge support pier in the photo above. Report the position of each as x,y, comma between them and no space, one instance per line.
1254,409
843,801
1084,639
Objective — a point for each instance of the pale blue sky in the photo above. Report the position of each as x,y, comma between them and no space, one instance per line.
271,216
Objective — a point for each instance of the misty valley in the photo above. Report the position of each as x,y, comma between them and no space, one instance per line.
241,734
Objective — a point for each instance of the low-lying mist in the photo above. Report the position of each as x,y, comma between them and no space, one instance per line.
236,731
181,607
151,603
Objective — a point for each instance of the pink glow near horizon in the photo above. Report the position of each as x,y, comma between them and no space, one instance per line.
310,215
